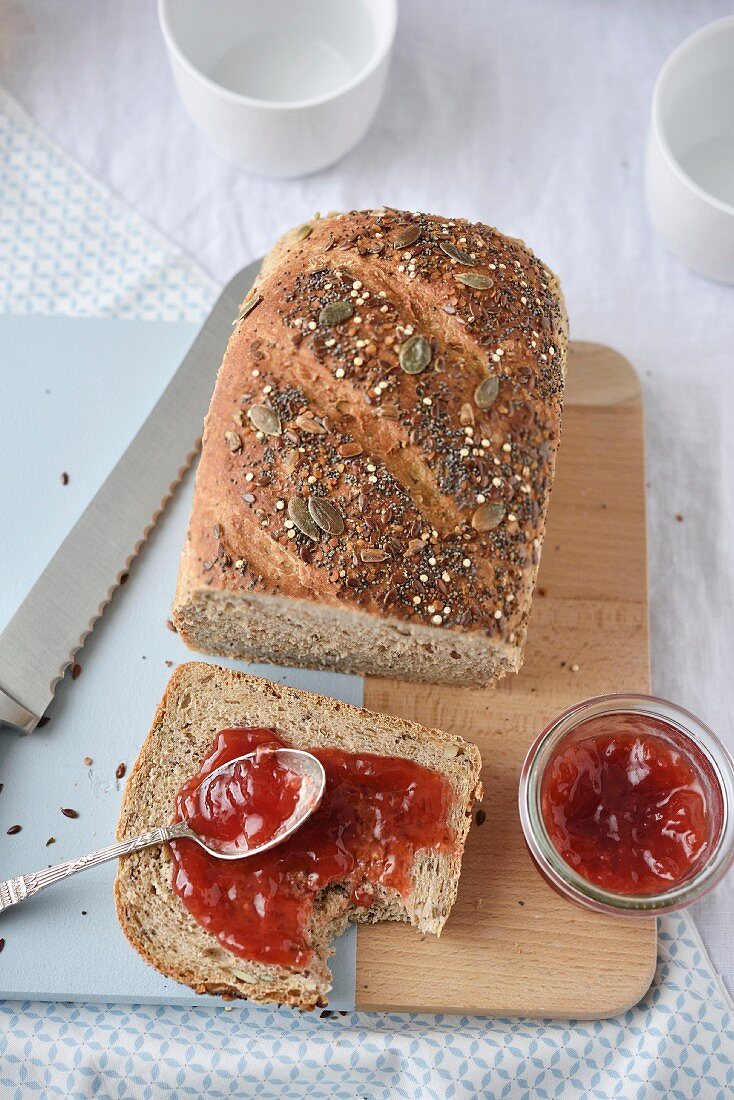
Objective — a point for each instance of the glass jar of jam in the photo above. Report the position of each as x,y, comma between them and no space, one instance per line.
627,805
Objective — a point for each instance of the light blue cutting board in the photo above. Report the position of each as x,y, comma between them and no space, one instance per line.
73,393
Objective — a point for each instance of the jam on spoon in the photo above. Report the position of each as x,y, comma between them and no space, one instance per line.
244,806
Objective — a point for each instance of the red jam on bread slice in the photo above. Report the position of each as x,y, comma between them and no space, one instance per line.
377,812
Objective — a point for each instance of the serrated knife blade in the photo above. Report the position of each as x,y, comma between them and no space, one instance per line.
41,639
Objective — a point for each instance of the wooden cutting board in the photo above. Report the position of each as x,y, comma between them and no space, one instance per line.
512,947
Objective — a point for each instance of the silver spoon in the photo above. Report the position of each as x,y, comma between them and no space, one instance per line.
305,765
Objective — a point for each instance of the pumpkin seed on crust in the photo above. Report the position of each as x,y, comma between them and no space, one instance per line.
457,254
265,419
408,236
488,516
325,516
486,392
476,282
335,313
415,354
299,513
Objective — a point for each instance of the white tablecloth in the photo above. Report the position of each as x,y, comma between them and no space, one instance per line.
531,116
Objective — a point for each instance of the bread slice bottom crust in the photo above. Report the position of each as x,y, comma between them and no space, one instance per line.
200,700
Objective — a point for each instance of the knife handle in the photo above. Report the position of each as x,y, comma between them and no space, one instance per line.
14,890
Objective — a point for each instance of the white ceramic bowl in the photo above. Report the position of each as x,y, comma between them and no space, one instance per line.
690,153
282,87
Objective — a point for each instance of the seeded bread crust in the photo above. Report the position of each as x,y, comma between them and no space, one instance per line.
200,700
427,419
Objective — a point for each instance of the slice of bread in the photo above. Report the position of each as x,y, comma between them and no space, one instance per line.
199,701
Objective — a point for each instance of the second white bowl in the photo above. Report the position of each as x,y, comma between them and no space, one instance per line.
283,87
690,153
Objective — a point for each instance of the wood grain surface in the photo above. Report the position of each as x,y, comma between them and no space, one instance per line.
512,947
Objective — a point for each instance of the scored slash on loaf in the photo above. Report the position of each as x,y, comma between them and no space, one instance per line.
379,453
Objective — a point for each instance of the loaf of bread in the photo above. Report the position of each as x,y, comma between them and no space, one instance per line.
200,700
379,453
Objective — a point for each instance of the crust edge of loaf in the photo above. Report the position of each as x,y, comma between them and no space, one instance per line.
299,632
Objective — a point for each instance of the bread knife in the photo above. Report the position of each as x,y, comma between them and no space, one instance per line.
44,634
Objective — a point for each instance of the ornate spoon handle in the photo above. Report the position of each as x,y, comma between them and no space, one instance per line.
18,889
